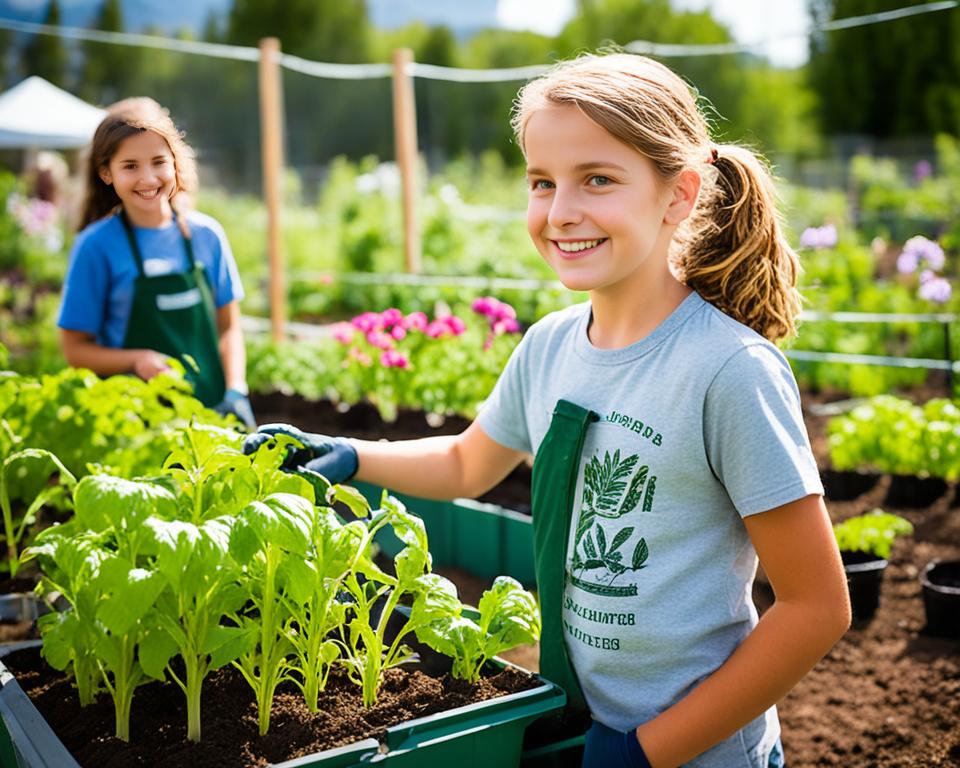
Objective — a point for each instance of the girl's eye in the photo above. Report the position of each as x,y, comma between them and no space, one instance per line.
539,184
601,181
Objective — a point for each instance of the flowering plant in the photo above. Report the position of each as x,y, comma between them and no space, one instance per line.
447,364
919,252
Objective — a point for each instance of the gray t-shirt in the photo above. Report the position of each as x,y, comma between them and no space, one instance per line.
700,425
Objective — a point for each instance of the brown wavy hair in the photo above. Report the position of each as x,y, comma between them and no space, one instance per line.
125,119
731,249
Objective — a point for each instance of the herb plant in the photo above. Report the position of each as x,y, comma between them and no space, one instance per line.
872,533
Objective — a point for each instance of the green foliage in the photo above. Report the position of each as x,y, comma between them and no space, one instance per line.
872,532
506,617
892,79
893,435
46,55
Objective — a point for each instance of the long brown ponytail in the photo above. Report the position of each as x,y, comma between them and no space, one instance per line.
125,119
731,250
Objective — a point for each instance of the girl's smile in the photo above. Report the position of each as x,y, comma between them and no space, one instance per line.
576,249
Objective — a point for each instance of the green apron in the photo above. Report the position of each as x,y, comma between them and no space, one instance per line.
174,314
555,472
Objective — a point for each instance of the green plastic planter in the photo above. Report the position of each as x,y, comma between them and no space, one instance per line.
485,539
488,733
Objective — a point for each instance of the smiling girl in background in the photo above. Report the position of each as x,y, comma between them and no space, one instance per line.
670,449
149,280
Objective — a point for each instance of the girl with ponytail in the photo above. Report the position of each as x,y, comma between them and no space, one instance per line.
670,449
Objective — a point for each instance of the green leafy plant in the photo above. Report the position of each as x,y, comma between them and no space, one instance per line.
872,532
507,616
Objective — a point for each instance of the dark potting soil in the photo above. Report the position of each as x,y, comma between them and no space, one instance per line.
229,715
886,696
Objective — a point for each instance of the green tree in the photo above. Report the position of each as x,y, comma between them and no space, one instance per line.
894,79
45,55
439,47
110,71
327,30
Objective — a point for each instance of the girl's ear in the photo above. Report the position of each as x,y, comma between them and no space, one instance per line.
686,189
105,176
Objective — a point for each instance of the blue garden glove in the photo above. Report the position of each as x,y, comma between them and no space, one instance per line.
236,402
333,457
607,748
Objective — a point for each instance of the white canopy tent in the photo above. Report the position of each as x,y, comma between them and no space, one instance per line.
35,114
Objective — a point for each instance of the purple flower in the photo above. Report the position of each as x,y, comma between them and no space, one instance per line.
935,289
922,249
819,237
907,262
393,359
922,170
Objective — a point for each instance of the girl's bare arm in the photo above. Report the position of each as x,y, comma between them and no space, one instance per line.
82,351
445,467
811,613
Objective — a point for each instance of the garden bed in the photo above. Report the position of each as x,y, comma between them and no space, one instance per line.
229,714
887,695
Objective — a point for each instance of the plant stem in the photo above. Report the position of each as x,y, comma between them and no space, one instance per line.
194,681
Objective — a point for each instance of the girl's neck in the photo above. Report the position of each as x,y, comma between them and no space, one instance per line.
630,311
150,219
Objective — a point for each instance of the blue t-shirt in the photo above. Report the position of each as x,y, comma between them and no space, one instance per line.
98,291
700,426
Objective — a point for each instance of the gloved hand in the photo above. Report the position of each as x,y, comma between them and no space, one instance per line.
236,402
607,748
333,457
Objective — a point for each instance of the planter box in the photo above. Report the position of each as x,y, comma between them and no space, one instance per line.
488,733
485,539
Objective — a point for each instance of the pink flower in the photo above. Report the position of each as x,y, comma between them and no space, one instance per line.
368,321
393,359
360,356
483,305
398,332
455,324
380,340
436,329
507,325
325,279
391,317
415,321
343,332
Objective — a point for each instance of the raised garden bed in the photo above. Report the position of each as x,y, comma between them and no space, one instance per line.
887,695
421,720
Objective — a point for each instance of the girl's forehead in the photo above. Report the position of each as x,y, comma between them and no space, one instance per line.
146,143
562,136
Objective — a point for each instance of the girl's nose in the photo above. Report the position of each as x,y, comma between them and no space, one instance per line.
564,209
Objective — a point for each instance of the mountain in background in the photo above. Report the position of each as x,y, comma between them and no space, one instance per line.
171,16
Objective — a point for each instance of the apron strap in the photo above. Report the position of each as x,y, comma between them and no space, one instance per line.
555,472
135,248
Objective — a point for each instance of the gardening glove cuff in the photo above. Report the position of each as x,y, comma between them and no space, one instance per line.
338,464
236,402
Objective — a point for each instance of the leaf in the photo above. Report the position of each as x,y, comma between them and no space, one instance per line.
601,541
155,651
350,496
588,546
225,644
635,491
640,554
622,535
611,482
127,594
102,502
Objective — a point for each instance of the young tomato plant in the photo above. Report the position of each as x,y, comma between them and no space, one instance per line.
265,535
506,617
367,652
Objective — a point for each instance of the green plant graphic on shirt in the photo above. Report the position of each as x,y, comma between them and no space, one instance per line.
611,489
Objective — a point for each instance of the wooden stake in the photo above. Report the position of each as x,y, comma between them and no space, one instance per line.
405,143
271,143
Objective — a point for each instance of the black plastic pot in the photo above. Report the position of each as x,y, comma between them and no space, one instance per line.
17,607
843,485
864,577
909,491
941,597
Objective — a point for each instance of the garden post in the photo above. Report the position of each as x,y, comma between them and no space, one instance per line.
271,142
405,144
